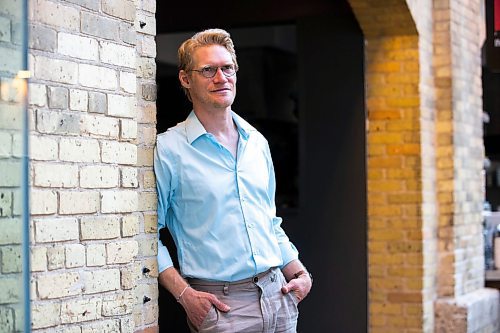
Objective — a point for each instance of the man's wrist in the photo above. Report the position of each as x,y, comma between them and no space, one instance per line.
303,272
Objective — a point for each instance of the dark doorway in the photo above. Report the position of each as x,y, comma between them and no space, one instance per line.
319,137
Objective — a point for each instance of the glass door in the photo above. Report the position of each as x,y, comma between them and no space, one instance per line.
14,211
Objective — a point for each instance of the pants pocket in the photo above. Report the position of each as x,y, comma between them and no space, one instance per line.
210,321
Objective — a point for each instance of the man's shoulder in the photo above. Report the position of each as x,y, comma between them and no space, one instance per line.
172,136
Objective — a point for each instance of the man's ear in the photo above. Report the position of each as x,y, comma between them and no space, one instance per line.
184,79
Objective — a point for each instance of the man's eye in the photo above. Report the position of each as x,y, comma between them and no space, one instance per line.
208,70
227,67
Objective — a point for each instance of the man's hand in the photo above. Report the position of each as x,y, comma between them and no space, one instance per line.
299,286
198,303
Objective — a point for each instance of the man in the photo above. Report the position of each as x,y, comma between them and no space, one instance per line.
238,270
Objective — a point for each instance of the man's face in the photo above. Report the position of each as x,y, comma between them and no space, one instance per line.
216,92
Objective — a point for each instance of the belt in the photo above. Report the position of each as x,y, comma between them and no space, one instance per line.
254,279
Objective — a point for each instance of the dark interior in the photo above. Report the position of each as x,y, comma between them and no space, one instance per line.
308,100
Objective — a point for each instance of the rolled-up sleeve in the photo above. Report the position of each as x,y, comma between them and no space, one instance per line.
164,177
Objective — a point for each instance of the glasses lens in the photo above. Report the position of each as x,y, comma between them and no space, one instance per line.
209,71
228,70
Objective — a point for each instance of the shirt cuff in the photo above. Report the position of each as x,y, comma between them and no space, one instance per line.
288,253
164,260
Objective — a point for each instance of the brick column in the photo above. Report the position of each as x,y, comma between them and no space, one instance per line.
463,304
89,208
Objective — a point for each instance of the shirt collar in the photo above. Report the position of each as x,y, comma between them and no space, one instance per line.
194,128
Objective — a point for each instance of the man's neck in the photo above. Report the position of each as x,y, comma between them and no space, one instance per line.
216,121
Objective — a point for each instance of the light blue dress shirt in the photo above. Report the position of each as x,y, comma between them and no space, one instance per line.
219,210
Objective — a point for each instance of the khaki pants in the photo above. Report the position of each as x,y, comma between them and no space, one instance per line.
257,305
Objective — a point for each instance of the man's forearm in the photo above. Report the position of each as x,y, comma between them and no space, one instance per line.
173,281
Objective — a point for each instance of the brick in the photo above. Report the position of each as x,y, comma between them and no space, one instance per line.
150,223
11,231
124,9
43,202
127,33
6,148
147,201
98,176
7,143
55,175
10,60
52,286
55,229
38,259
75,255
56,70
149,28
128,81
37,94
148,91
58,98
100,126
124,201
102,27
149,5
80,310
148,47
96,255
7,320
11,117
78,202
119,152
18,145
152,265
89,4
78,100
121,252
5,30
79,150
119,55
51,122
10,290
45,314
98,102
147,135
5,203
148,247
121,106
128,129
146,113
130,274
118,304
97,77
10,175
103,326
146,68
57,15
148,179
145,156
77,46
100,227
43,148
11,259
101,281
128,177
55,257
130,225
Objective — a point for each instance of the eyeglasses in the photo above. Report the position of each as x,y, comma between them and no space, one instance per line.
209,71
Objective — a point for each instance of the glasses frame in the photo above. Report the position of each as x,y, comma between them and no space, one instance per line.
204,71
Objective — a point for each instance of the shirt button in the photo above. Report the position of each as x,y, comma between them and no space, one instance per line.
250,225
255,252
